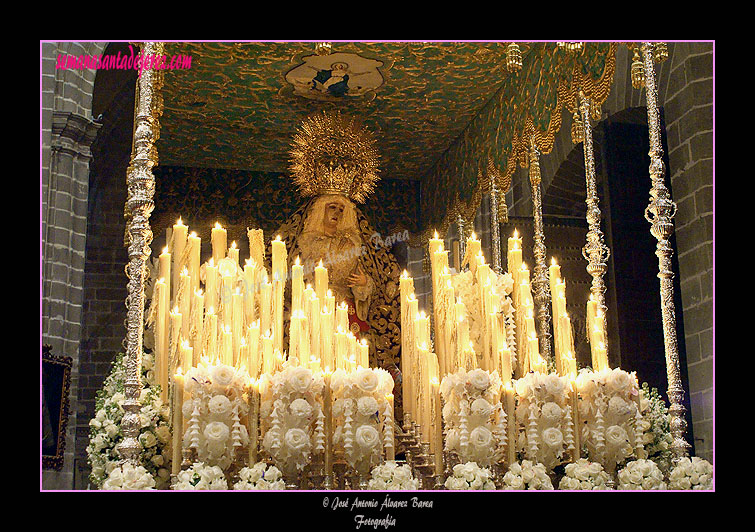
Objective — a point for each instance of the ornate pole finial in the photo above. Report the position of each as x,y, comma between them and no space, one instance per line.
540,282
660,213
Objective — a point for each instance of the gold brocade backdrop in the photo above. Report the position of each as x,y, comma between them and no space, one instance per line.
239,199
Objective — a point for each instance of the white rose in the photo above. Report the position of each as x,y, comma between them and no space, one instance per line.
481,437
619,380
219,405
481,408
452,439
551,411
147,439
618,407
111,429
367,437
163,433
522,387
296,439
479,379
616,436
222,375
300,379
216,432
300,408
367,380
367,406
552,437
455,483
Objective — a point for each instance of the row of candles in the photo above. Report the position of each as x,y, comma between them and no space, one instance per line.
237,320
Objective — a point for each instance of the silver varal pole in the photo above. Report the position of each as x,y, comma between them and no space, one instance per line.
660,213
140,183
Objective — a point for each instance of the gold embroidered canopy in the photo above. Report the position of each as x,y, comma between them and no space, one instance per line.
443,114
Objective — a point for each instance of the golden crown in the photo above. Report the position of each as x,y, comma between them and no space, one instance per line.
334,154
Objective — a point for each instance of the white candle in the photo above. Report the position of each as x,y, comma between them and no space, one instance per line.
326,337
179,244
314,327
473,249
297,285
294,337
266,303
253,339
175,332
238,324
321,281
186,354
198,325
249,291
268,363
211,333
219,240
390,446
227,345
178,400
194,245
233,253
211,284
342,316
184,302
364,353
161,339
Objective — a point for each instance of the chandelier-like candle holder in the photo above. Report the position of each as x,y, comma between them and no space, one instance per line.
660,213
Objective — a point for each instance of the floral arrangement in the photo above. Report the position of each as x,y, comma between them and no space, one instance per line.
362,416
292,416
470,476
260,477
641,474
544,413
584,475
611,419
200,476
105,427
473,416
129,477
654,427
214,413
527,475
691,474
465,288
391,476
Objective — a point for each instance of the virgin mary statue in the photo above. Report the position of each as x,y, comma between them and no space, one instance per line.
334,165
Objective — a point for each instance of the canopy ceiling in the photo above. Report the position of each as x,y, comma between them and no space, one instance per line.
441,112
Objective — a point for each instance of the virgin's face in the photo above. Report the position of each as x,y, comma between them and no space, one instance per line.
333,214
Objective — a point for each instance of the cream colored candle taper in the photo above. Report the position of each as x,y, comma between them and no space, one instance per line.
448,365
304,338
211,284
164,263
227,345
266,303
249,290
211,332
510,423
256,245
175,336
321,281
254,409
574,397
341,354
294,337
178,424
268,362
342,316
424,359
219,240
495,341
315,327
233,253
328,413
238,324
297,285
194,245
409,371
184,302
326,337
253,339
280,276
180,232
364,353
197,311
161,340
186,355
438,424
474,247
390,447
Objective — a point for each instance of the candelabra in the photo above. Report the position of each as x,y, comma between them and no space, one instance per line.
660,213
140,183
540,283
595,252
